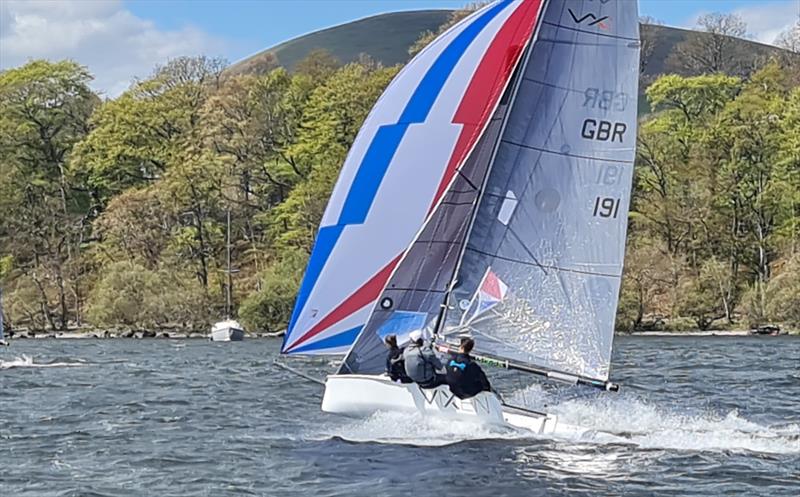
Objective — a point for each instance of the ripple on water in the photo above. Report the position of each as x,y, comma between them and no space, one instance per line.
195,418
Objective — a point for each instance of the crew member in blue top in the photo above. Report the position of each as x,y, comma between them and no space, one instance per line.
464,376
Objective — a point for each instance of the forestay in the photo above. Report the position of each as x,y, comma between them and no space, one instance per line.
404,157
540,276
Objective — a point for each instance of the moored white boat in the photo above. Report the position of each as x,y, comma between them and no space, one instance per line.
227,331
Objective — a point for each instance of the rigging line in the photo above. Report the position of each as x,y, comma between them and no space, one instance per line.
465,178
526,249
575,156
557,268
590,33
415,289
554,86
281,365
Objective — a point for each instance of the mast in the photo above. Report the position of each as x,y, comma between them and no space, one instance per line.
228,287
520,70
2,320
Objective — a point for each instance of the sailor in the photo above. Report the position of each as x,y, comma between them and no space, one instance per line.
395,365
464,376
422,364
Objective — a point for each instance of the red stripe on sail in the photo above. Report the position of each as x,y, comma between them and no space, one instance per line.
487,84
368,292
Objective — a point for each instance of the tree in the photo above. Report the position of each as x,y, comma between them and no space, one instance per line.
699,294
44,111
716,50
650,31
790,38
746,136
318,65
135,138
270,306
133,296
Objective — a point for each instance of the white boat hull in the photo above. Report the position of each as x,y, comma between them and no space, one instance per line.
362,395
227,335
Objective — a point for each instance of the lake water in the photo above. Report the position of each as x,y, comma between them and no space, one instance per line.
704,416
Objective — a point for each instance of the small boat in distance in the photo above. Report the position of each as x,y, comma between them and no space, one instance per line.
228,330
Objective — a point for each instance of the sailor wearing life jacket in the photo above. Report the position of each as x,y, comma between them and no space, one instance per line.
422,364
464,376
395,364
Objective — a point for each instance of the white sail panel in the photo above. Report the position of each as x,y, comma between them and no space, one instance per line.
389,182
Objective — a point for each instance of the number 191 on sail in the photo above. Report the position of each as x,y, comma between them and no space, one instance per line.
606,207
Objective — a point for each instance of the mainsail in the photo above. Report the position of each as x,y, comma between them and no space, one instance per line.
406,154
535,268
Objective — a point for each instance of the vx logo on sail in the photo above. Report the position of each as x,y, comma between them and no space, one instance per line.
594,20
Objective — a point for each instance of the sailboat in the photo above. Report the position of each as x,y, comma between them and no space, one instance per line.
486,195
228,330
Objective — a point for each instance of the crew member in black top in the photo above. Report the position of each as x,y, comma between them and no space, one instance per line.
464,376
395,364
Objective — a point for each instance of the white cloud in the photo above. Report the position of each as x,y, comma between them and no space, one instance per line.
113,43
765,19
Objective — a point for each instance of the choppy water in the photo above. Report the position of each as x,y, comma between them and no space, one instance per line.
711,416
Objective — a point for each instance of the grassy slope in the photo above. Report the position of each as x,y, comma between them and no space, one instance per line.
385,38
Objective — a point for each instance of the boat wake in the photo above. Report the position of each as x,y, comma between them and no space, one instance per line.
28,362
410,429
634,420
621,420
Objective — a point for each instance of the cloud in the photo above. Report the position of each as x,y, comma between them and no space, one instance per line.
765,19
113,43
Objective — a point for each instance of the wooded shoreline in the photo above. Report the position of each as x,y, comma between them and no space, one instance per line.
114,210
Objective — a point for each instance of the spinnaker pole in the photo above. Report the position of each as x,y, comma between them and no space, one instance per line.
526,368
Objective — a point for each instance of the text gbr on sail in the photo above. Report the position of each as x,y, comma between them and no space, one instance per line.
603,130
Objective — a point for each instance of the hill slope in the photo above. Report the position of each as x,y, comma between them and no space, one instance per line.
384,37
387,37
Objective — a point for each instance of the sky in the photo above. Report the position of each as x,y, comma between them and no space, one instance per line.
120,40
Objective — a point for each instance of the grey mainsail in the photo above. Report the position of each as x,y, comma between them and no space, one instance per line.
540,277
534,272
